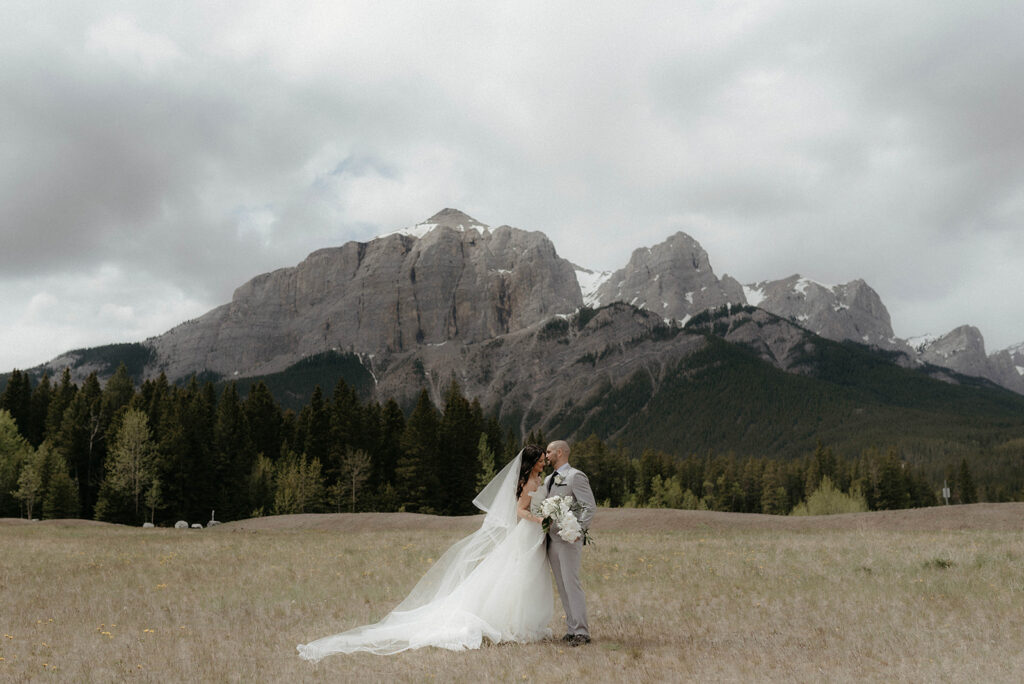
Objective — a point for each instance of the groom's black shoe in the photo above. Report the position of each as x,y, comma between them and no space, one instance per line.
567,637
579,640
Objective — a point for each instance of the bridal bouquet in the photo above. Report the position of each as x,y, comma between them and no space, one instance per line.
563,510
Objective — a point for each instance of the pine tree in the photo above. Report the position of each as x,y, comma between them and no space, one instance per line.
233,456
369,438
61,497
965,490
17,400
345,419
773,491
317,423
62,395
458,434
118,391
751,486
891,491
40,405
172,450
156,395
263,416
82,438
417,474
389,450
203,488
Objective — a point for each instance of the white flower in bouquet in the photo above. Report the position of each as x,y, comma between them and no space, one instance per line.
561,510
565,507
569,529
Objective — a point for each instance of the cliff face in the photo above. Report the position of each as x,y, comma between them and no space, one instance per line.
460,281
673,279
852,311
963,350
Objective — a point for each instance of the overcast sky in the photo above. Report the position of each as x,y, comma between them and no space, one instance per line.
156,155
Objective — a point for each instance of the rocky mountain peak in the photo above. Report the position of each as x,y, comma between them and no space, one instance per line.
453,218
446,218
851,311
963,350
1016,354
673,279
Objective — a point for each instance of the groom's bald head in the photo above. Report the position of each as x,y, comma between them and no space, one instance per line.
558,453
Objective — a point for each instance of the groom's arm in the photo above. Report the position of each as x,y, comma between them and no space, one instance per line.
585,495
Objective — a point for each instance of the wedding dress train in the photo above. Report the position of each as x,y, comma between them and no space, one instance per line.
492,584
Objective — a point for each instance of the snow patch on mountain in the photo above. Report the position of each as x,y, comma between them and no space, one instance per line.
450,218
921,342
589,282
418,231
755,295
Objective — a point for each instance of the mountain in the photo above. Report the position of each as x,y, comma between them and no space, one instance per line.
1016,353
673,279
963,350
453,298
852,311
726,397
458,281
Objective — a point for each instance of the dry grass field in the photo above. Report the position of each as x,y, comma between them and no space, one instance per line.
923,595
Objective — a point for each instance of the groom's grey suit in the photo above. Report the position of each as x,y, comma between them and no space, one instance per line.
565,558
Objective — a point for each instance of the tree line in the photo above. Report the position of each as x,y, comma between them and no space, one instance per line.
162,452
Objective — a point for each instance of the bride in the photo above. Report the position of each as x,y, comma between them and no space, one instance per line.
493,583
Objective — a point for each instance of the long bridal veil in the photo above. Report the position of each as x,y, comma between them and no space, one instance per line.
498,501
492,584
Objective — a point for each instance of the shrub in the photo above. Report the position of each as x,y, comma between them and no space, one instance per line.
827,500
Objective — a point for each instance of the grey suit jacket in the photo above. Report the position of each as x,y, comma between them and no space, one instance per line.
577,486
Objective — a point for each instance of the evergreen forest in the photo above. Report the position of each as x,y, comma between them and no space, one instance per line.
160,452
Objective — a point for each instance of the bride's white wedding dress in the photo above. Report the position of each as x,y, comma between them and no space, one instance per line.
493,583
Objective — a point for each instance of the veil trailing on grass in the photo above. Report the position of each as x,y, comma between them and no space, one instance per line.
492,584
498,501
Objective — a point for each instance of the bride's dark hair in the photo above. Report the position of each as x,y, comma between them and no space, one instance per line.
531,454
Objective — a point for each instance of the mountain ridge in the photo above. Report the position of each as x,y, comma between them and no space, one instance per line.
452,278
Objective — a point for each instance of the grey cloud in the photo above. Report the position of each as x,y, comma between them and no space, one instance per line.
839,140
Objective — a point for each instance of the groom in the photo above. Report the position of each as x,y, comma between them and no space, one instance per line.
565,557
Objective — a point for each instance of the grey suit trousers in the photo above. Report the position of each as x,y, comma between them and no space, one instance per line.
565,560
